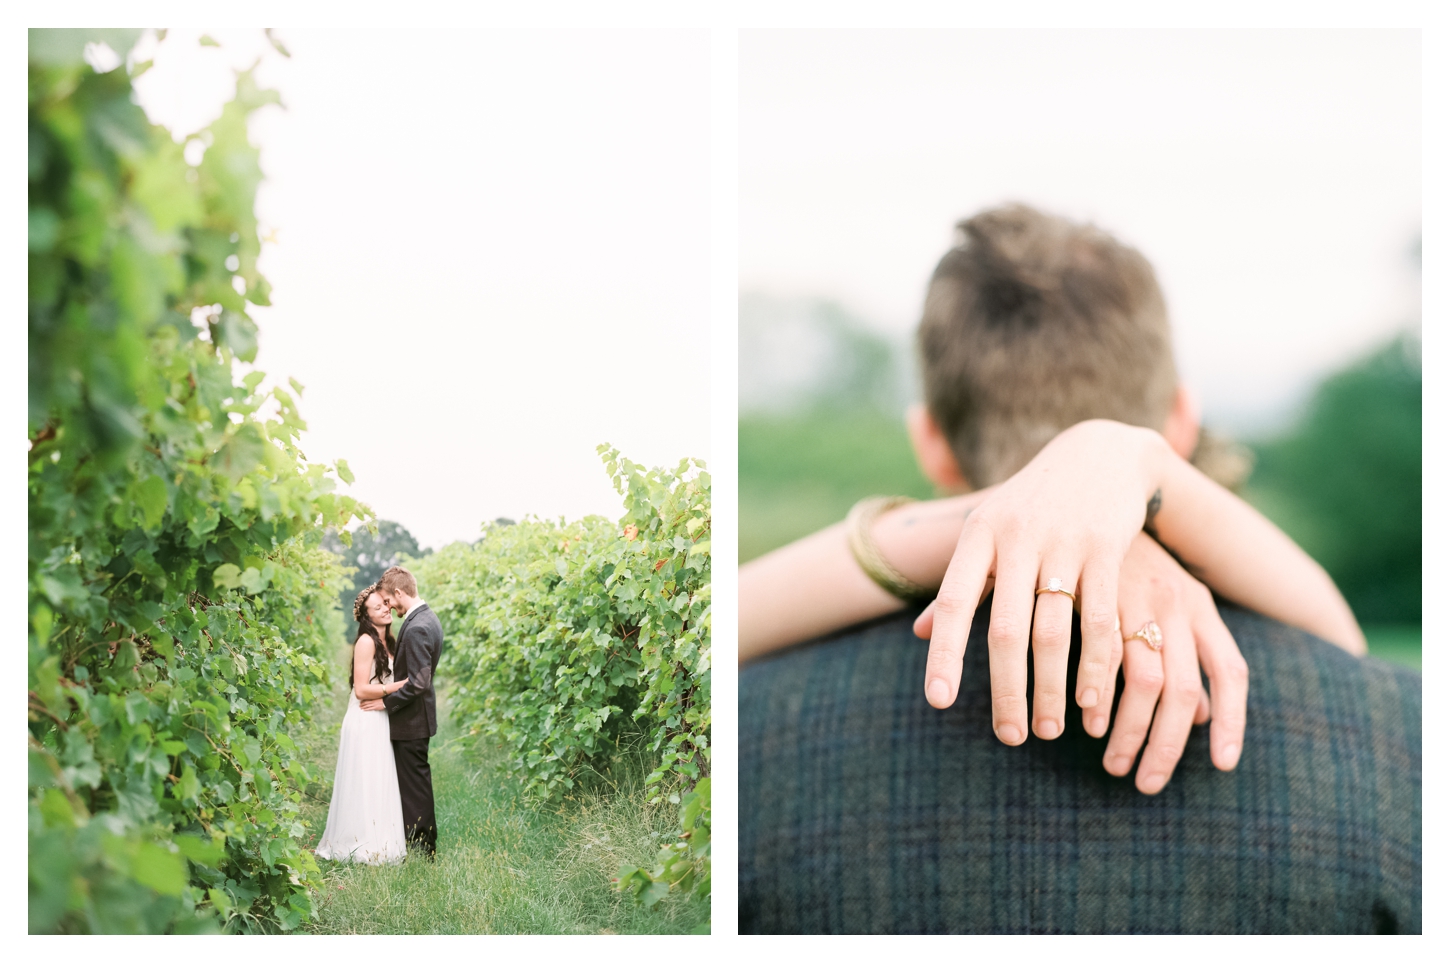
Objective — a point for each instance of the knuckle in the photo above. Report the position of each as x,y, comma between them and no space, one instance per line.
1147,678
1237,670
1165,590
1126,738
1185,688
951,601
1098,621
940,660
1094,663
1005,630
1006,706
1167,756
1050,685
1050,631
978,523
1007,526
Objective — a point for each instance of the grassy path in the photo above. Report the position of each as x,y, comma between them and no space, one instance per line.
505,865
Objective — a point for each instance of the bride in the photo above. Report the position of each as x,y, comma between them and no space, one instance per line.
365,818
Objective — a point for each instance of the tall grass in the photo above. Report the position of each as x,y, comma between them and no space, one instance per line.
505,863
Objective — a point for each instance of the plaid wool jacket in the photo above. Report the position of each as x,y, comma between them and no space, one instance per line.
864,810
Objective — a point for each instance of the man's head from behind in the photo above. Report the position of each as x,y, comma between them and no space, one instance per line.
1032,324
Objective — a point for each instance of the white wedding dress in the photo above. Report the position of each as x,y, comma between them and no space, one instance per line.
365,817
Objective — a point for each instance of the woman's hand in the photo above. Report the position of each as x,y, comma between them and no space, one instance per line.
1069,515
1153,588
392,687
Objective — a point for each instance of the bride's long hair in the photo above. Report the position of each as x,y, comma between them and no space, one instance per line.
384,642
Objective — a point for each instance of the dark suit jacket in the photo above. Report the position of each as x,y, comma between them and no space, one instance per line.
864,810
412,711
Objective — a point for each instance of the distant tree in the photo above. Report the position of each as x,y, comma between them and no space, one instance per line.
371,555
1345,481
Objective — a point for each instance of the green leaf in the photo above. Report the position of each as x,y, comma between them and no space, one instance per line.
253,581
239,333
242,452
227,576
160,869
203,851
344,472
151,497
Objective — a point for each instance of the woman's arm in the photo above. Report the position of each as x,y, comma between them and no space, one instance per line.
362,671
1244,557
813,586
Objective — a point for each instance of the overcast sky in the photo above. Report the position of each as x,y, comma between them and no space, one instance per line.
492,254
1272,177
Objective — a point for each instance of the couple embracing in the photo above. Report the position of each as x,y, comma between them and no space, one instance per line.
382,798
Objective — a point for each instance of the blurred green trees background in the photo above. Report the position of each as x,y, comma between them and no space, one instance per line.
370,554
1342,477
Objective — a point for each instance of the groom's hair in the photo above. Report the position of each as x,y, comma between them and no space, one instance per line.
397,579
1033,323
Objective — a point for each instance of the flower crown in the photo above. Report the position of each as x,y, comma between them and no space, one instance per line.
360,606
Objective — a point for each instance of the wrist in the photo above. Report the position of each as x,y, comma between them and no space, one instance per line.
918,539
1156,463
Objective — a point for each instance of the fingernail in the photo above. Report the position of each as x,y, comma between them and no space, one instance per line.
1230,755
1089,698
1096,726
1009,734
1118,765
1153,783
1047,729
938,693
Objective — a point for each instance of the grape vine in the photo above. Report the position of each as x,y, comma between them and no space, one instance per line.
179,602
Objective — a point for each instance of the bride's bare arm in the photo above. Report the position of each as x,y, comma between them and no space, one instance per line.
362,671
1243,556
813,586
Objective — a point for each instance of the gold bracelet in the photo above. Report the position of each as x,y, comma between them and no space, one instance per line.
858,534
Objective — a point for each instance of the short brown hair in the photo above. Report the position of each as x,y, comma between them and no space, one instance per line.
1032,324
398,579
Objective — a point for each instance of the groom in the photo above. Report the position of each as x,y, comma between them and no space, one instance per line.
412,713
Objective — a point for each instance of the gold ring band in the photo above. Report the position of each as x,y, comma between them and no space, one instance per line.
1054,586
1149,633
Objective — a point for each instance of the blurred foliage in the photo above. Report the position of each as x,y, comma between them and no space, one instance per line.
807,353
564,638
178,596
1400,644
1344,481
802,472
369,555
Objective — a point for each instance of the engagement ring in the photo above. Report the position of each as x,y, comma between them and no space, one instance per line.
1054,585
1151,634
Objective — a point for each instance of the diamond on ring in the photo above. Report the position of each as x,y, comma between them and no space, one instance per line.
1151,634
1054,585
